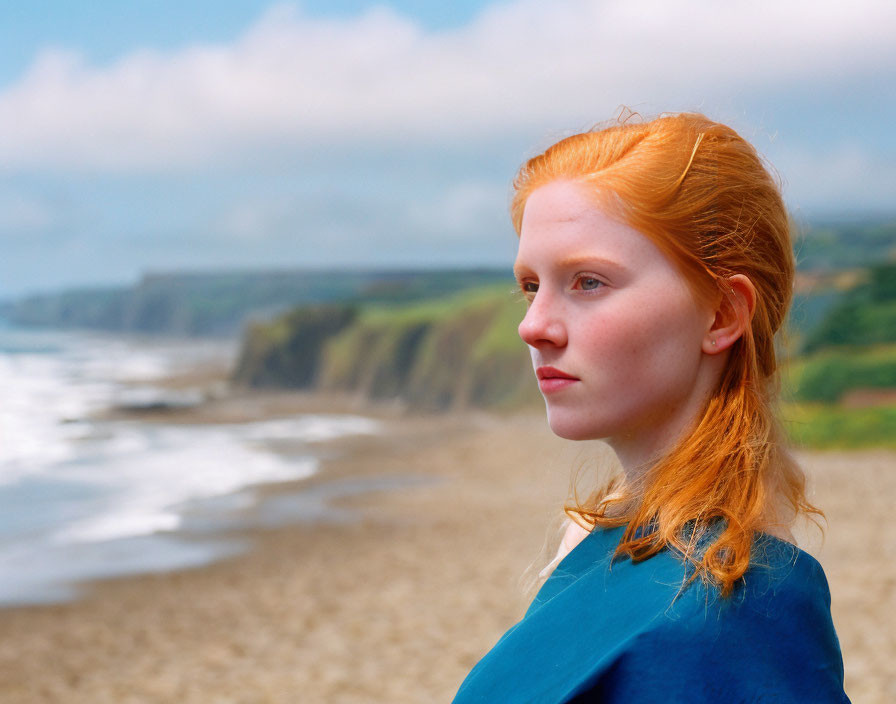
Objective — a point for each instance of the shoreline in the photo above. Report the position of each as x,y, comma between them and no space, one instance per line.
59,648
393,592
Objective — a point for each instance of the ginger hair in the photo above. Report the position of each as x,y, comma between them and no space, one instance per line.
703,195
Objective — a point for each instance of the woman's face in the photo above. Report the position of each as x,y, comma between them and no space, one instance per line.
614,330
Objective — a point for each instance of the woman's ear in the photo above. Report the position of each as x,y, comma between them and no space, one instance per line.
733,314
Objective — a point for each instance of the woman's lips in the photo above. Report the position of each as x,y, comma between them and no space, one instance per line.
551,379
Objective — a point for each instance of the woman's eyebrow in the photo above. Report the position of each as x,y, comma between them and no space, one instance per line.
577,260
572,262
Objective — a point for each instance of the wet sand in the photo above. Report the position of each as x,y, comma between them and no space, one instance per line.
394,596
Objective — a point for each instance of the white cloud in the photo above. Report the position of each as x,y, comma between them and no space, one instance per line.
292,82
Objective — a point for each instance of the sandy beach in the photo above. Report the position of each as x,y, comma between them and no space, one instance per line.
406,583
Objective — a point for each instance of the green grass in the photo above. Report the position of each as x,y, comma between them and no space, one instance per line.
436,307
502,338
826,426
828,375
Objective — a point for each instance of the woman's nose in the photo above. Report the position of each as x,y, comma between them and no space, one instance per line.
543,324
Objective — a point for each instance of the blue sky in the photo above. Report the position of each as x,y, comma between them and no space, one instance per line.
154,135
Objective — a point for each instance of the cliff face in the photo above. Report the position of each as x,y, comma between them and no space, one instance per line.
285,353
453,353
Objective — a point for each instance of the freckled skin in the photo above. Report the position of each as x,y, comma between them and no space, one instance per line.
634,340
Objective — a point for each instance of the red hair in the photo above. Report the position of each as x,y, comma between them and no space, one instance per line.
703,195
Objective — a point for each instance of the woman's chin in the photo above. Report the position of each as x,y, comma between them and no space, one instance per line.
573,428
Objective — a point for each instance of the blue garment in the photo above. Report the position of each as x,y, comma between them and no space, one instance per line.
598,632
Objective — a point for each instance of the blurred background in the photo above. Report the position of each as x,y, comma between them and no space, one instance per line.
258,327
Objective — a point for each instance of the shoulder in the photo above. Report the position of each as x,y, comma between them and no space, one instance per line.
773,637
783,598
783,583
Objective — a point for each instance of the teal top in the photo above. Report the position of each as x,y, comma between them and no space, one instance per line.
598,632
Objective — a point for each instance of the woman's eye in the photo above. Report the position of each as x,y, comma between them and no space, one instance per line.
528,289
589,283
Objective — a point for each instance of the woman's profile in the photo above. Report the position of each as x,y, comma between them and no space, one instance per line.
657,263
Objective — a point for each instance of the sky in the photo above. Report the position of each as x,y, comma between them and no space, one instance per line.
155,136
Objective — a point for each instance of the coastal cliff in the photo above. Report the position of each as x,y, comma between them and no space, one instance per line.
453,353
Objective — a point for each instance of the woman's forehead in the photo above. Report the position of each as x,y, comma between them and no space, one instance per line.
563,224
559,201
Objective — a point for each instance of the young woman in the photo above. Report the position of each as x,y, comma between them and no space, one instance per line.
657,263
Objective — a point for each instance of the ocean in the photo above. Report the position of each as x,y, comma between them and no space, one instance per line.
82,498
